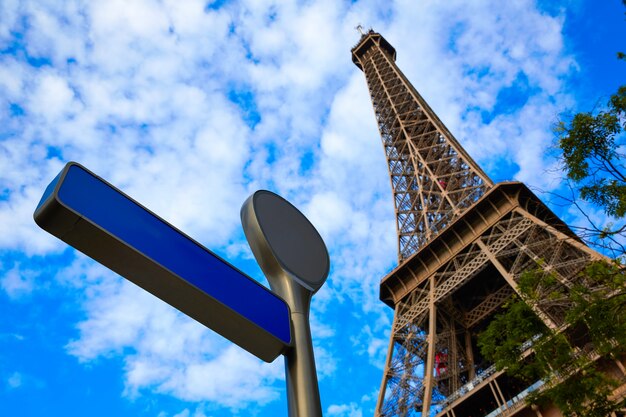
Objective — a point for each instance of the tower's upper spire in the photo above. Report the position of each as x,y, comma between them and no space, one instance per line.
433,179
369,39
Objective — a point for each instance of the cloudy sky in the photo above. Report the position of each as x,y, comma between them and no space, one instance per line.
190,106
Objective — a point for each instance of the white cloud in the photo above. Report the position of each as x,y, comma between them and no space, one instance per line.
168,352
184,413
372,344
233,379
345,410
52,98
18,282
20,380
187,412
149,95
15,380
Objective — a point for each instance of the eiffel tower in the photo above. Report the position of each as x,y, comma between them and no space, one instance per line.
463,243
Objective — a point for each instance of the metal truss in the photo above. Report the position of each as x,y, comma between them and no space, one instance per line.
514,244
432,177
463,244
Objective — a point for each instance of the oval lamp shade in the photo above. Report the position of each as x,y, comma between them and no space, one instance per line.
283,239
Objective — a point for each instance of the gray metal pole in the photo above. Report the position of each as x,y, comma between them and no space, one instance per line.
302,387
295,262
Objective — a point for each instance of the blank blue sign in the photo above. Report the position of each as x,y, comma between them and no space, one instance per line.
96,218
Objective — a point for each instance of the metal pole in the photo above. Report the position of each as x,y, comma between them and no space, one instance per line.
302,388
295,262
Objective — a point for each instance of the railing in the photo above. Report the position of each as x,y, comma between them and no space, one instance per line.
468,387
516,402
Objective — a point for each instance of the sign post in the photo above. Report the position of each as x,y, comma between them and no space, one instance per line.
99,220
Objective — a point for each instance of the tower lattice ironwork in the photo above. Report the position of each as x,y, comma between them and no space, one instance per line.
463,243
433,179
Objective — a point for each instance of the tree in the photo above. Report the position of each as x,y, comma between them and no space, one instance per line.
591,146
566,359
571,360
592,159
591,154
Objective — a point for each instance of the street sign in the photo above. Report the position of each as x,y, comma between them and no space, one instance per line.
99,220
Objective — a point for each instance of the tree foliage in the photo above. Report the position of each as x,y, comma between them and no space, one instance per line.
591,147
566,359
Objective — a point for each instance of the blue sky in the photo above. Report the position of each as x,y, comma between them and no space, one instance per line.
191,106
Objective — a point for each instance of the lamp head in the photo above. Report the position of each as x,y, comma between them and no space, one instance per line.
284,241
